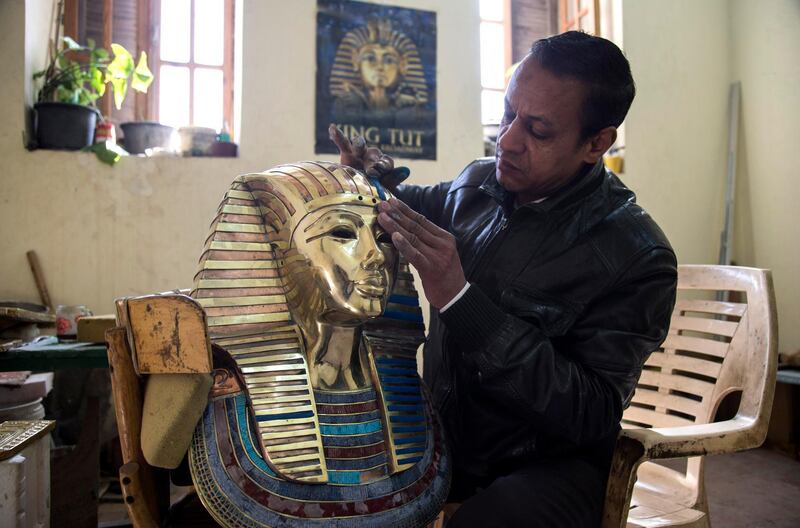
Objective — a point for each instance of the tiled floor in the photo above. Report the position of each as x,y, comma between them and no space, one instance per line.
754,489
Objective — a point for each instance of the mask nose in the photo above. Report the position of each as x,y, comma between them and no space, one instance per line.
373,257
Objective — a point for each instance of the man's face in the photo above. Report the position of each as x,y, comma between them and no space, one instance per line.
355,260
538,145
379,65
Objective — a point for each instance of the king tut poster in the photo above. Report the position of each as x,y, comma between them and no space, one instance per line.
376,77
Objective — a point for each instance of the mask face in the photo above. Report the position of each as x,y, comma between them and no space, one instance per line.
353,260
379,65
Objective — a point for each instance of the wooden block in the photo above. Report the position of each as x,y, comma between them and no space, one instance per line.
26,314
92,329
173,404
168,335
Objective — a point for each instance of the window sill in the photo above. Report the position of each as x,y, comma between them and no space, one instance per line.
67,161
167,158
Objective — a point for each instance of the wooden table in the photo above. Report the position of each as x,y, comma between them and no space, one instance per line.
75,470
49,354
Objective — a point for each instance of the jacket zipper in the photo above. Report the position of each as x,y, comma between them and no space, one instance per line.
487,243
481,256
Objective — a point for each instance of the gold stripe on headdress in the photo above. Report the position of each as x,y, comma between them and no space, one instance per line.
268,351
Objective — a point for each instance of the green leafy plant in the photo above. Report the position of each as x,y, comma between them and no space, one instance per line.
79,74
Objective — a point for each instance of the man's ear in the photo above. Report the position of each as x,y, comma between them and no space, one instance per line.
598,144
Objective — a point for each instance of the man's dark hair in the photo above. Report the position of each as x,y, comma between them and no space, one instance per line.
599,64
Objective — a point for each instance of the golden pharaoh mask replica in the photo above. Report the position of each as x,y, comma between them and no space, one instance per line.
317,415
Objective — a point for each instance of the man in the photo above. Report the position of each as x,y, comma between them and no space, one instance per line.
549,288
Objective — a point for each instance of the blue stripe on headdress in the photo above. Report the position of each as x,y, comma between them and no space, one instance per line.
403,316
405,300
377,184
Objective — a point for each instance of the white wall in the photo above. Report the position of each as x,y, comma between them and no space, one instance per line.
684,55
103,232
136,228
676,128
765,42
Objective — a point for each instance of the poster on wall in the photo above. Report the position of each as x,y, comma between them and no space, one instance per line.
376,77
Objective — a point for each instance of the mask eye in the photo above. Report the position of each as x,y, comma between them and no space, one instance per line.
343,233
383,238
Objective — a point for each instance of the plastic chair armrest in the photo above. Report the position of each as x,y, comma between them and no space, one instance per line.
731,435
635,446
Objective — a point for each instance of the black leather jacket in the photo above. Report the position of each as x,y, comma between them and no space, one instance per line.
568,297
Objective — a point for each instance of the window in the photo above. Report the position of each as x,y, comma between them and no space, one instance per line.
579,15
190,49
194,63
495,35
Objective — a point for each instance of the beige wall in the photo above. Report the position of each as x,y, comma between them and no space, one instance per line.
684,55
676,128
765,42
103,232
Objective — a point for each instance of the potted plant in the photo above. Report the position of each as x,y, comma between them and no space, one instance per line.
65,115
143,135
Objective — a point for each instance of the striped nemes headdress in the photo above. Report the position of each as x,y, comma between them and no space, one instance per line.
239,284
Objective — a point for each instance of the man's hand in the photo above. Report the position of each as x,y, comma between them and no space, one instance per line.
371,160
427,247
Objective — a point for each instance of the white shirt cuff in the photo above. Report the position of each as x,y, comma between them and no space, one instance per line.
455,299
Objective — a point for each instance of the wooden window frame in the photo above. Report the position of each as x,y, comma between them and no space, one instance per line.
590,11
508,47
226,67
148,33
70,22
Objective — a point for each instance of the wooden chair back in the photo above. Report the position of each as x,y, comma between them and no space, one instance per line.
721,326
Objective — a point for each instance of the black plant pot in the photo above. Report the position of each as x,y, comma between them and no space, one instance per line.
64,125
142,135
